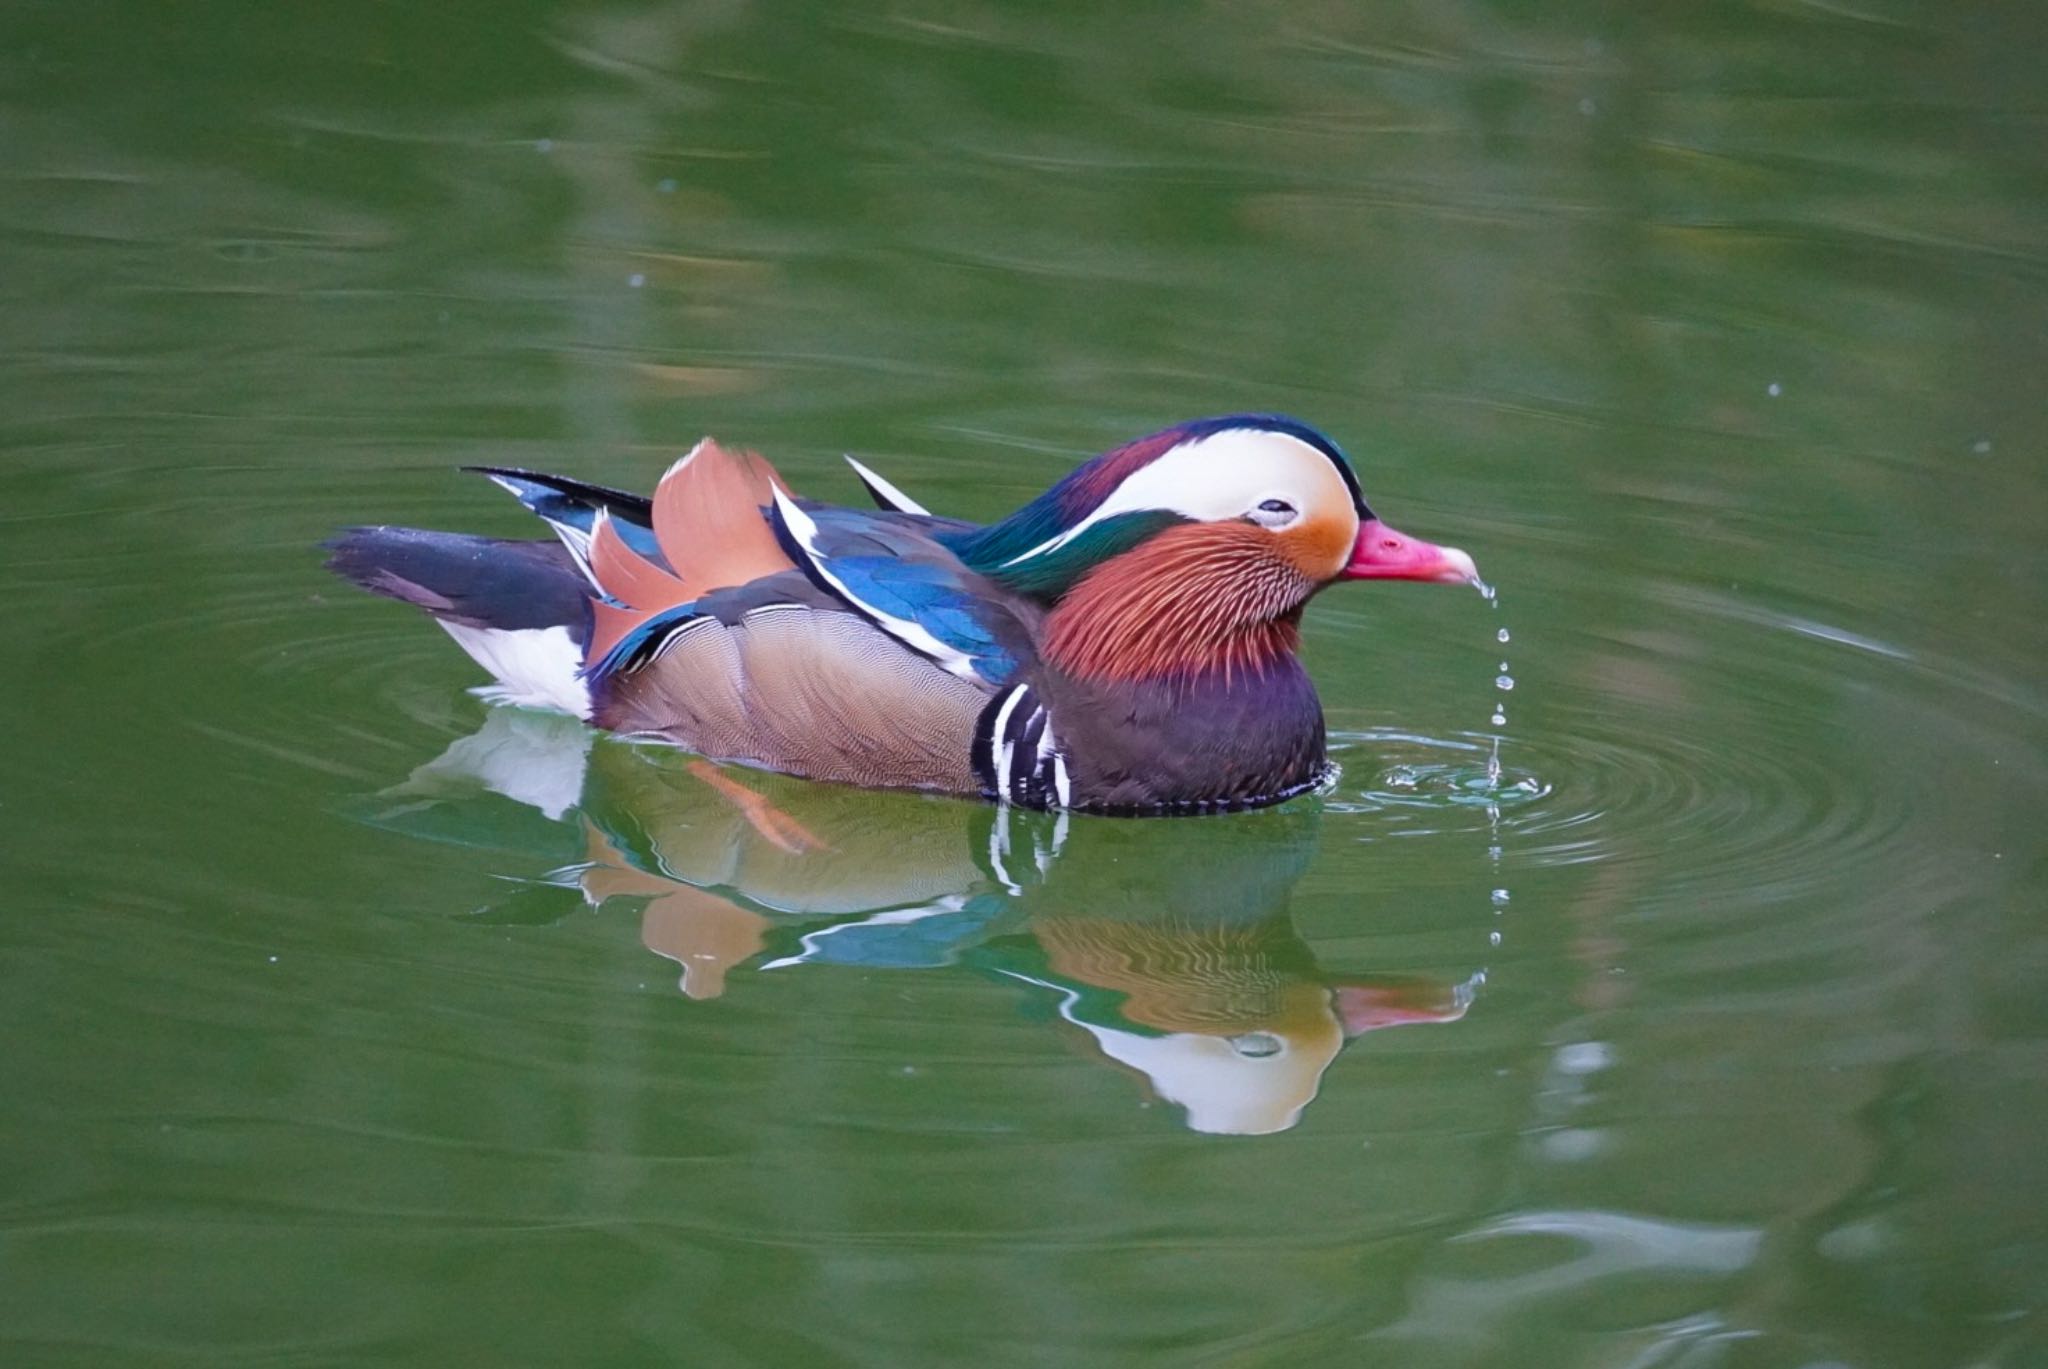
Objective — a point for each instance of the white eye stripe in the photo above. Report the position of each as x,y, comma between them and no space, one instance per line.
1217,477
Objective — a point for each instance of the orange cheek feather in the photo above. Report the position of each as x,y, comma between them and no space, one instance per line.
1321,545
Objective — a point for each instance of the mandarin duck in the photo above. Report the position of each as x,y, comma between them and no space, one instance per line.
1123,644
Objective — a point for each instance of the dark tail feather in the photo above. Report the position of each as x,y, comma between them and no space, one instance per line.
520,609
483,582
559,499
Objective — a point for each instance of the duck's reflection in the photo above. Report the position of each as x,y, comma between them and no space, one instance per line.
1169,944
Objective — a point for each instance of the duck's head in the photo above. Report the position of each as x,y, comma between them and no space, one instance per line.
1212,527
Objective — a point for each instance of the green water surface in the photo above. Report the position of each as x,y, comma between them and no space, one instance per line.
348,1020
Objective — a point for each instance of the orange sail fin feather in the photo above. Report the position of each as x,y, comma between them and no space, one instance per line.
635,589
708,518
707,514
626,576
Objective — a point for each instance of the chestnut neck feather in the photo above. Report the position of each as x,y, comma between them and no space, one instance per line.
1198,599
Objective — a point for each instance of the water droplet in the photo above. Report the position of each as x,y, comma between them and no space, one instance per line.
1504,682
1500,896
1982,446
1774,389
1584,1057
1256,1045
1493,938
1503,665
1502,636
1500,717
636,280
1493,852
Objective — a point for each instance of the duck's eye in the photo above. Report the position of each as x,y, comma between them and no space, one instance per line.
1274,513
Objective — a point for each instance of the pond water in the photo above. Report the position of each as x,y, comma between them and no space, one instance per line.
1681,1006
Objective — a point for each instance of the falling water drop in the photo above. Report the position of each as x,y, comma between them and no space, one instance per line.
1499,719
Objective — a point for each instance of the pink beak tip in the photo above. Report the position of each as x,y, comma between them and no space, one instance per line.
1384,553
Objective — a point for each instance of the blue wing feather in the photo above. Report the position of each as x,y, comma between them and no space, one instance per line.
645,638
573,505
896,573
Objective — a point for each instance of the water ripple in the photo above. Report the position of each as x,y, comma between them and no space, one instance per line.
1606,790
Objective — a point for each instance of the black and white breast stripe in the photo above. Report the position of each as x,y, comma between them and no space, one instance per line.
1017,755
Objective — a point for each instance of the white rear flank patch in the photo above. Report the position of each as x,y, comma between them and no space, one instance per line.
536,667
1223,475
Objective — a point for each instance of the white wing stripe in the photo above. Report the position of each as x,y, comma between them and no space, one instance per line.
804,530
1062,785
998,733
886,492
